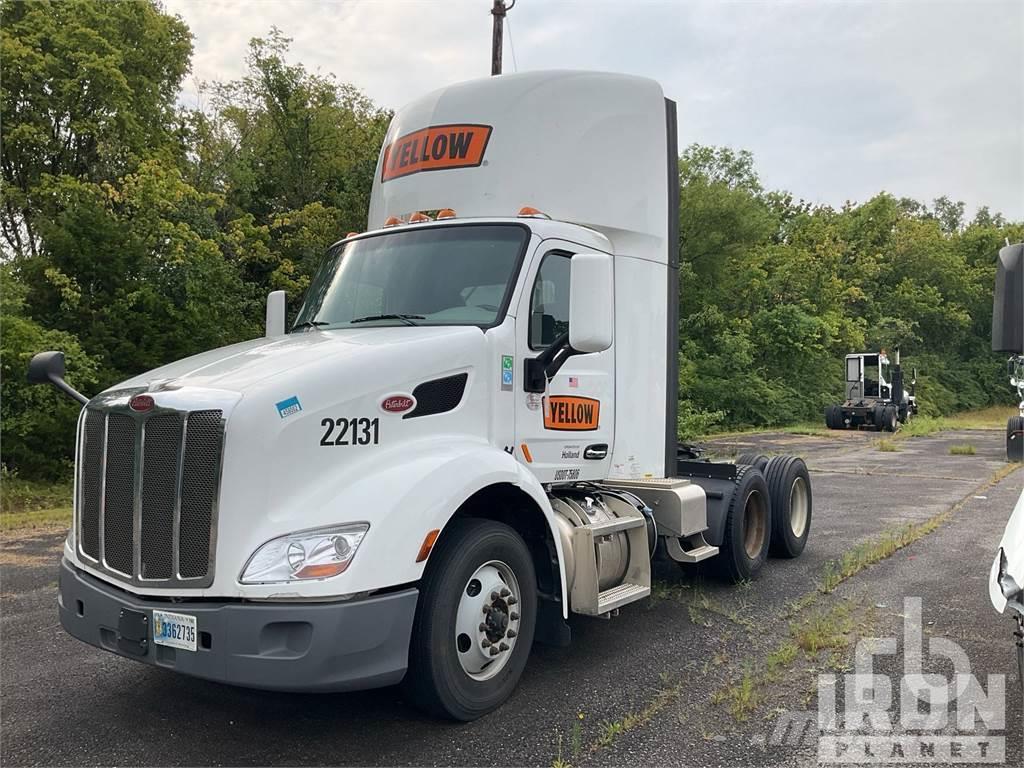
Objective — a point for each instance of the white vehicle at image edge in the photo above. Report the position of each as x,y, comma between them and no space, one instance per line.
467,434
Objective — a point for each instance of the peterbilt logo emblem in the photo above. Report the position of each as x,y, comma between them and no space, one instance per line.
397,403
141,403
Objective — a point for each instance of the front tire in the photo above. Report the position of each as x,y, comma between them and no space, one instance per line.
748,526
474,623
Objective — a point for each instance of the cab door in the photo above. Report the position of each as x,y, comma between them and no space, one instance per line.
566,433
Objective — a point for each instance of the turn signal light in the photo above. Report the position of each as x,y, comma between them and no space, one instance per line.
528,212
428,544
445,213
419,218
392,221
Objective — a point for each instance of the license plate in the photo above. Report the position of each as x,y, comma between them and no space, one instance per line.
176,630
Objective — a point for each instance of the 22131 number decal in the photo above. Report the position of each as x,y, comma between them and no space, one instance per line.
350,431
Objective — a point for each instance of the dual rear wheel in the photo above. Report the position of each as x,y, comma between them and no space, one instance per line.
770,512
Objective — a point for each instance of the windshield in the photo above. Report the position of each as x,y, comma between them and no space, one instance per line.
458,275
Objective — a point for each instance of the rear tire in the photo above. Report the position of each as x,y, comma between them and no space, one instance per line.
878,417
1015,439
758,460
789,490
747,527
451,673
890,418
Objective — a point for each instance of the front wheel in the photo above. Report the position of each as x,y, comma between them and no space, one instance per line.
474,622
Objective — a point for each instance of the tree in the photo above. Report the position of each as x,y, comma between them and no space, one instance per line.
88,89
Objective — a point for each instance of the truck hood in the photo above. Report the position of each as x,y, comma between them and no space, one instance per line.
240,366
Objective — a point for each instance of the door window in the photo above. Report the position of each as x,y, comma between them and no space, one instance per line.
549,300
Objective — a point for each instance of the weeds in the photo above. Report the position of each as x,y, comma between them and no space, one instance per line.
888,445
869,552
962,450
30,504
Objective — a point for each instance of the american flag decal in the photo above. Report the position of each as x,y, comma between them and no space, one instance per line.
574,382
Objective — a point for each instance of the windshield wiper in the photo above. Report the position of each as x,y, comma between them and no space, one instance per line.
309,324
406,319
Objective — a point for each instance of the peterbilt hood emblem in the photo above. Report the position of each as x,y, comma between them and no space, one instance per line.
141,403
398,403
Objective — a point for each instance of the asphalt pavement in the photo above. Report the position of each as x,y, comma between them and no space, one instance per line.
692,676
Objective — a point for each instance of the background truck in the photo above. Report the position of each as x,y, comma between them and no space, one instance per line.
468,434
1008,336
875,396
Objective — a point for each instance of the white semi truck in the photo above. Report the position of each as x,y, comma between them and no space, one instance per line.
468,433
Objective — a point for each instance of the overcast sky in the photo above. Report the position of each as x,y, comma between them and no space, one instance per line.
837,100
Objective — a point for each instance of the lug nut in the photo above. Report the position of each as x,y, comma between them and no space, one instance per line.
514,616
503,647
494,596
482,627
487,610
485,643
511,633
494,651
505,592
512,600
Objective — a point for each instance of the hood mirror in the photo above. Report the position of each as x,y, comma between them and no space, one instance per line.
48,368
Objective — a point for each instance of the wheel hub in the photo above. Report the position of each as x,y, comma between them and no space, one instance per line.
487,620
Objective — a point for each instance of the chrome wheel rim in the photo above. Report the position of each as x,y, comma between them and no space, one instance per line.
487,620
798,505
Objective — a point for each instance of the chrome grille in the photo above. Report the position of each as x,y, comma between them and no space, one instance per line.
147,493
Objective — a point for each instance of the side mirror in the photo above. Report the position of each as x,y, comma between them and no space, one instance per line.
48,368
275,314
591,302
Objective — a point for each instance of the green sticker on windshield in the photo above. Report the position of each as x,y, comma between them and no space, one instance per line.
506,373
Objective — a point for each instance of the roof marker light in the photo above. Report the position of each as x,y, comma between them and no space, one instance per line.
392,221
351,234
419,218
445,213
529,212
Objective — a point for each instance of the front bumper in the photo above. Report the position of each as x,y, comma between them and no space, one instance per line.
338,646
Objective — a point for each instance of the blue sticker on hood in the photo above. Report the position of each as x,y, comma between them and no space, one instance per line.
287,407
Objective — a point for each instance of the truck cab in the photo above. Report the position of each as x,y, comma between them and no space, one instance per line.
467,434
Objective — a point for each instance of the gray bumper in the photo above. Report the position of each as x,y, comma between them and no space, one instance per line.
339,646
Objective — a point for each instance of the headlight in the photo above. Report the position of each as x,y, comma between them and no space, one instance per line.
316,554
1010,589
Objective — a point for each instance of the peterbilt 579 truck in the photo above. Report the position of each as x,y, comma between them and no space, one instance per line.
468,433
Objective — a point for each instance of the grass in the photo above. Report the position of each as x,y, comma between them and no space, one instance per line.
992,417
832,630
888,445
855,560
962,450
26,504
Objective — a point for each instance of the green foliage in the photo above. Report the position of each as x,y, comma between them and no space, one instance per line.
38,422
134,232
776,293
